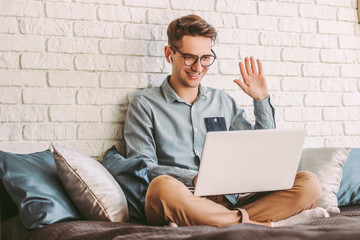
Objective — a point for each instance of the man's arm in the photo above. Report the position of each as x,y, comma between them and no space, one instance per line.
264,114
254,84
140,143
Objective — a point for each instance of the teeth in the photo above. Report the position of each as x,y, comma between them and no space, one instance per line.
191,74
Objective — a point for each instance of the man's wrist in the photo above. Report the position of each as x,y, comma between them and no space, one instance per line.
261,98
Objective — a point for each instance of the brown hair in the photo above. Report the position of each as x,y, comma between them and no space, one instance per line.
189,25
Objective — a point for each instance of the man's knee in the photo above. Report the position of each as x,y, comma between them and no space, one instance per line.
162,186
165,189
309,187
164,194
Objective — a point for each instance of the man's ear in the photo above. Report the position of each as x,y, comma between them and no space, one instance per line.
167,52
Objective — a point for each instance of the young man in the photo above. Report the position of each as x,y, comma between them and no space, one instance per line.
166,126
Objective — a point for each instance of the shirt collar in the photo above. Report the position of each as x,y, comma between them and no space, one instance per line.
203,92
171,95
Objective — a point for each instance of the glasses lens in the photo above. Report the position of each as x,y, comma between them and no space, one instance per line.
189,60
207,60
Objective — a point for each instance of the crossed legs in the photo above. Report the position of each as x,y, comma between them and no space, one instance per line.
169,200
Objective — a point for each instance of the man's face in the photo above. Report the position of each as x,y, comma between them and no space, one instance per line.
190,76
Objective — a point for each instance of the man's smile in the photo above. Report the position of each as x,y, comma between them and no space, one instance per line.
193,75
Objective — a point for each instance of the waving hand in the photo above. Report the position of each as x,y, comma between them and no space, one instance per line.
254,83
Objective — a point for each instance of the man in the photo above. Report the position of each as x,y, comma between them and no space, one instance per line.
166,126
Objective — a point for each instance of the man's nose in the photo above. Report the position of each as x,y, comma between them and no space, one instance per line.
197,66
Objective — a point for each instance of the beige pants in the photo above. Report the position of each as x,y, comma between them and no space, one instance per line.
169,200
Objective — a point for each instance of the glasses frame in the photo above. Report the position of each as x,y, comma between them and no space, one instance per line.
195,56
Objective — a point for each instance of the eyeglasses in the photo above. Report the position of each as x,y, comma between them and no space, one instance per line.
190,59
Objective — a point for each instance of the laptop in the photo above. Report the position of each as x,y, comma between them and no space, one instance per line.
249,161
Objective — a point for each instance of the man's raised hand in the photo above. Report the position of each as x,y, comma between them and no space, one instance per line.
253,83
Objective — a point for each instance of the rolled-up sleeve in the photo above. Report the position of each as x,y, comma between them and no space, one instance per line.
264,116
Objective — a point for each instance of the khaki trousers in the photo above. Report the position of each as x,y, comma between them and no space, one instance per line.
169,200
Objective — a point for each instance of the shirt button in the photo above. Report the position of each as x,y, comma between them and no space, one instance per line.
195,129
215,120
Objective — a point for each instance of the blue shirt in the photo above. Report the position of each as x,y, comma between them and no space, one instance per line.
169,133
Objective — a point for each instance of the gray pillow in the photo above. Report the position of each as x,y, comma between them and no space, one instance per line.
91,187
327,164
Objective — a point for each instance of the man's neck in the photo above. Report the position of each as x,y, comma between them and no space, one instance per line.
189,94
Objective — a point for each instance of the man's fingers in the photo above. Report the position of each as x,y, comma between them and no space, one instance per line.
241,84
242,70
247,66
195,180
253,65
260,66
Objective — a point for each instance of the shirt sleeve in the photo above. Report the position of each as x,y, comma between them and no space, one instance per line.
264,116
140,142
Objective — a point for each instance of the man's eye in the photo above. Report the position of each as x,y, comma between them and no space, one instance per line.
188,57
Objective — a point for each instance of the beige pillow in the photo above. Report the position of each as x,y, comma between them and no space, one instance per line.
327,164
94,191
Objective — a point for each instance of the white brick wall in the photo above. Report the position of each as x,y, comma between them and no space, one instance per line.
69,68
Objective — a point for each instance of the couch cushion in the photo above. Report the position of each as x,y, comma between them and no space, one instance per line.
91,187
32,182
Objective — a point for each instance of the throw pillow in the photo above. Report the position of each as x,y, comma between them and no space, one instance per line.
32,182
131,174
327,164
91,187
349,192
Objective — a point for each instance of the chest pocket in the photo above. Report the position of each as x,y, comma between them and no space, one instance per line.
213,124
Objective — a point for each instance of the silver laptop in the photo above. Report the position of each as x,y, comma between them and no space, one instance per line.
249,161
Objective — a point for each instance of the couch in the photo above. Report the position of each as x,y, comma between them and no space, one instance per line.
77,197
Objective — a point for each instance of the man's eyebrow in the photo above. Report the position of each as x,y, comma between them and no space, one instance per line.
197,55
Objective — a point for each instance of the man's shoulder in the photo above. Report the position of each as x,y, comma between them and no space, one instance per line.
216,93
143,100
148,92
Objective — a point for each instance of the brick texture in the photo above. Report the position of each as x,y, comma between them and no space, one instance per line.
68,69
